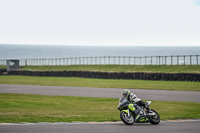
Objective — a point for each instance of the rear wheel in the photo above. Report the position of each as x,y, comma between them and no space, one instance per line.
155,118
128,120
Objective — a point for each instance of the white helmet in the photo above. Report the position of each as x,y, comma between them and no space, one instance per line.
126,93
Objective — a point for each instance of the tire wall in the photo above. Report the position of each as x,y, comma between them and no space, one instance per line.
113,75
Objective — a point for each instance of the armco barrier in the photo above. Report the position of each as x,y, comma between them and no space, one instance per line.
113,75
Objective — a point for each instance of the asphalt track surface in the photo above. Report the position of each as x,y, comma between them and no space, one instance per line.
185,126
162,95
117,127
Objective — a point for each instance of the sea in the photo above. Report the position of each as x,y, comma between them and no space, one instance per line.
60,51
13,51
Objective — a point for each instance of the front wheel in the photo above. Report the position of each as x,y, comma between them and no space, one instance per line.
155,118
128,120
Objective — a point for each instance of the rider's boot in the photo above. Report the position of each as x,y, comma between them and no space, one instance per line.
147,107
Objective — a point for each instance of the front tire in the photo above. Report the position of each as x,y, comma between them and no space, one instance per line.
155,119
128,120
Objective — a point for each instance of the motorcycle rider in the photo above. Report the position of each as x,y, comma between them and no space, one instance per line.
133,98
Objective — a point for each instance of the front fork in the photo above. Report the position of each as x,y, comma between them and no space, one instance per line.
128,112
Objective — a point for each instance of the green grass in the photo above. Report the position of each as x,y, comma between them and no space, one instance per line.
101,83
16,108
38,108
1,66
120,68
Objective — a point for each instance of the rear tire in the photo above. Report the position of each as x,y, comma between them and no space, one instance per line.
128,120
155,119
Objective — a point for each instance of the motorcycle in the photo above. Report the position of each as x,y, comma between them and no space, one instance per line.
131,113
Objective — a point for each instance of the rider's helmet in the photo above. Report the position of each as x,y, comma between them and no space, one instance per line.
126,93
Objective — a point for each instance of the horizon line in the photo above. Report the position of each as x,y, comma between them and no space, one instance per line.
103,45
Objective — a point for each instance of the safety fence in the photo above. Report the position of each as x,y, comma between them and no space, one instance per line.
113,60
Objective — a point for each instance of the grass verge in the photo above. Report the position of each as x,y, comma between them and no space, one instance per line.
16,108
2,67
120,68
101,83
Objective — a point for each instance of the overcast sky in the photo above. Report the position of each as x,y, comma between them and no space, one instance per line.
100,22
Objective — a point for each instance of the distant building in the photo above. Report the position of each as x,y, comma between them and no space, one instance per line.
12,65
